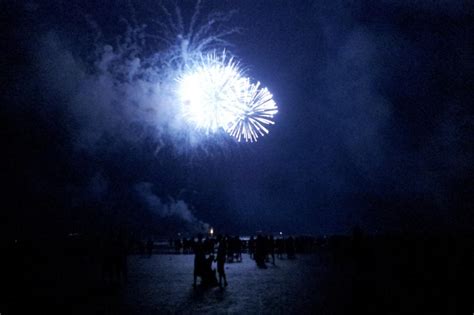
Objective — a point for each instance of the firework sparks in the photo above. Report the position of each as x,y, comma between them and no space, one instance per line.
258,109
215,95
210,92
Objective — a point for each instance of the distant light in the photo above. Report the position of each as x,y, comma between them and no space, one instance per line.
211,231
281,233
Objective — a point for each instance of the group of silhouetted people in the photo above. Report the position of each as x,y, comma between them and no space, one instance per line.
203,265
114,258
263,248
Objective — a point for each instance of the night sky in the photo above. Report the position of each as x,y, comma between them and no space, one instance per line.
375,122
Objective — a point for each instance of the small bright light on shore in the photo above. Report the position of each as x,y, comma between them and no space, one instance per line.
211,231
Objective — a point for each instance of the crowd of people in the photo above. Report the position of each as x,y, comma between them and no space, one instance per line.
223,249
263,248
234,246
210,253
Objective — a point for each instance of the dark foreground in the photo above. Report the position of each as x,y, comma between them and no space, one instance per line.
391,278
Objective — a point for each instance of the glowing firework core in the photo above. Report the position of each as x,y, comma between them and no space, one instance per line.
215,94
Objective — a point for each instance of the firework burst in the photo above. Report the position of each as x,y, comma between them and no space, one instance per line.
216,95
257,110
209,92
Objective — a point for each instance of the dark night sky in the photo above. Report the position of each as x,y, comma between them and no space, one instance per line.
375,122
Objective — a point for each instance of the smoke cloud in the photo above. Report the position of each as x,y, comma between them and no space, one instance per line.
172,208
111,97
115,97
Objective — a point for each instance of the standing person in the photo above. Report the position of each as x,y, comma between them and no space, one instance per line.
199,259
221,257
238,248
260,251
230,247
280,244
251,246
271,248
208,274
290,247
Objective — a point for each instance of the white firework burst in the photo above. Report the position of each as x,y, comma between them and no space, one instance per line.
257,110
210,92
215,95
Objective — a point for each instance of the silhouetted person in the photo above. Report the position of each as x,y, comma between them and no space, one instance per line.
260,251
221,257
290,248
271,248
252,247
280,244
178,245
208,274
188,245
230,248
238,248
199,259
